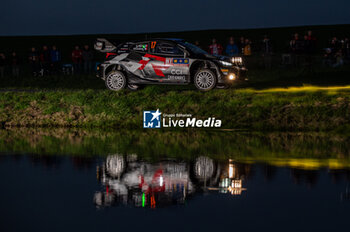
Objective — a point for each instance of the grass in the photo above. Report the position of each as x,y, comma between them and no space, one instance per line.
278,99
302,108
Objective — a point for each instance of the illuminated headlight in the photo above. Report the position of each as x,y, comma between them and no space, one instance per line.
237,60
232,77
225,63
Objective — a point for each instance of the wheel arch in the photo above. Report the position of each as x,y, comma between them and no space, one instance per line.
199,64
113,67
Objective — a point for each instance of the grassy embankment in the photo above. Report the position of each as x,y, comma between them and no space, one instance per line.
272,100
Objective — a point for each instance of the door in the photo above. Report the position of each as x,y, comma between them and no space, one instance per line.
166,62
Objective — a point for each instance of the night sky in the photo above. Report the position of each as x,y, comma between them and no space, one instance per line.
53,17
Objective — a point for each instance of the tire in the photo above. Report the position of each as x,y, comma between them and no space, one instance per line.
115,81
204,80
134,87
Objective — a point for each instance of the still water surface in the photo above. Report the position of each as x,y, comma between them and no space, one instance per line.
279,189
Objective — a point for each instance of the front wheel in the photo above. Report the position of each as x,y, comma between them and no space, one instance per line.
204,80
115,81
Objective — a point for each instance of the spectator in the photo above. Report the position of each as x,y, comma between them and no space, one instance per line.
88,56
45,59
55,60
15,62
197,43
312,42
231,48
296,48
247,51
266,52
327,57
241,45
34,61
335,45
346,48
307,50
338,59
296,44
306,45
215,48
77,59
2,65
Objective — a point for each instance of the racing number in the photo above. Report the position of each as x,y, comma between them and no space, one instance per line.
153,44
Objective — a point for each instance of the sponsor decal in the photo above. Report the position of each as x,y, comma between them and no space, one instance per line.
176,72
141,47
152,119
177,78
177,62
180,61
169,61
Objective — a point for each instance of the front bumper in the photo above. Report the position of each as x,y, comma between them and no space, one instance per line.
100,71
233,75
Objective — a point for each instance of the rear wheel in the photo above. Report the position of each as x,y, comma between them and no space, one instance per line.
115,81
204,80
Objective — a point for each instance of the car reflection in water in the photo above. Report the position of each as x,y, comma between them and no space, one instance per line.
127,180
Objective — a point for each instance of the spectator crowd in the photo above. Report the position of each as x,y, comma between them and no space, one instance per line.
300,52
48,61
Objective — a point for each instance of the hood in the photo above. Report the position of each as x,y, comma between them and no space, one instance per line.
217,57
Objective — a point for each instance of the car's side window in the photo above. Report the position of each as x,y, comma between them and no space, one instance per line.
164,48
140,47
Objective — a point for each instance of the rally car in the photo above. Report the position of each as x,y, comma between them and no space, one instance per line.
165,61
130,180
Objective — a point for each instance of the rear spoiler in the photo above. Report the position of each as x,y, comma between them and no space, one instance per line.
103,45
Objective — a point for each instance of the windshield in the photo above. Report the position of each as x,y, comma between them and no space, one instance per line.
193,48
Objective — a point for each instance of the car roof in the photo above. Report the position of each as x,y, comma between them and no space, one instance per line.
172,39
162,39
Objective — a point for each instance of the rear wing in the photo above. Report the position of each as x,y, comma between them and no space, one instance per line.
103,45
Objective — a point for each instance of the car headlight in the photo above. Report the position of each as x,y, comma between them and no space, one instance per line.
232,77
225,63
237,60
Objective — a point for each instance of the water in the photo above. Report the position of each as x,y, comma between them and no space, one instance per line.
67,180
